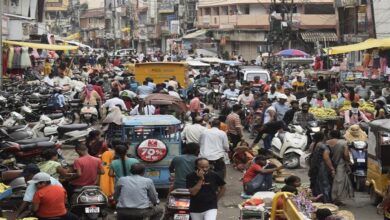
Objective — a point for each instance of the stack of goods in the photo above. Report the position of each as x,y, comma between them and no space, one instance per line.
323,113
367,108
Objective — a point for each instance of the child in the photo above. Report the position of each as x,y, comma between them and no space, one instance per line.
292,183
242,157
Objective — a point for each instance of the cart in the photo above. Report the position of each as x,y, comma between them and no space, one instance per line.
246,214
289,210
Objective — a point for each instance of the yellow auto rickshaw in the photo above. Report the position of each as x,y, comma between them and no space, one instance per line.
378,173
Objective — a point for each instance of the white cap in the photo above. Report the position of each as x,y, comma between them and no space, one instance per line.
39,177
282,96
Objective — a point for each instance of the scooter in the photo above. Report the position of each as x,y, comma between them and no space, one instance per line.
358,156
89,202
178,205
66,133
290,146
14,119
18,132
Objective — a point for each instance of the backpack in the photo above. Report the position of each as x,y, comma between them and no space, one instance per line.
54,101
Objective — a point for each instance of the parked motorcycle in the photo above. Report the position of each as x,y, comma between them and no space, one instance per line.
358,156
290,145
89,202
178,205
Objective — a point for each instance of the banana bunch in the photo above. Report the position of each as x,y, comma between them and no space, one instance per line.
323,113
367,107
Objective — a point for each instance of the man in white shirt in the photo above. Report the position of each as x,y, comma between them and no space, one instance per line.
232,92
214,145
192,133
144,90
172,92
290,97
61,80
273,94
49,80
143,109
115,101
246,98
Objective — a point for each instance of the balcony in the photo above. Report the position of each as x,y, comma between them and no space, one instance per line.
262,21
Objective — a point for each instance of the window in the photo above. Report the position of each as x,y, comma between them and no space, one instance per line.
314,9
285,9
362,20
215,11
207,11
233,10
243,10
224,10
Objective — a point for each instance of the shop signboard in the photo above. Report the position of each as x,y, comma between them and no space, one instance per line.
166,7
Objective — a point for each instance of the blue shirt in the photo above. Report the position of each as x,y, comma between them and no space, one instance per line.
182,165
144,91
31,189
280,110
117,167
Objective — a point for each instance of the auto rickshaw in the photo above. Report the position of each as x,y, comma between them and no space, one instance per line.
155,141
378,173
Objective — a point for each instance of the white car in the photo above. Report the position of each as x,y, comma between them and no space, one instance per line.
124,52
249,73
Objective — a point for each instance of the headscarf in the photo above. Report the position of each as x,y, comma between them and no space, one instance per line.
88,91
355,133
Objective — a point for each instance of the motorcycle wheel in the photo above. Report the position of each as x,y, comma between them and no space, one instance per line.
360,182
291,160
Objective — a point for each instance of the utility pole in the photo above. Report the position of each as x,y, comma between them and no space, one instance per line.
114,23
290,23
1,45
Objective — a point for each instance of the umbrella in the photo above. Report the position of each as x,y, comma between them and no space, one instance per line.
292,53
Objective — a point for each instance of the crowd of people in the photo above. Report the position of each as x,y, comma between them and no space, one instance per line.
209,142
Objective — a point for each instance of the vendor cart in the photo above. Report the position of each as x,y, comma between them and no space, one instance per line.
289,210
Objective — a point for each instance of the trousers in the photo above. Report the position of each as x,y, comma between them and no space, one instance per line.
154,213
207,215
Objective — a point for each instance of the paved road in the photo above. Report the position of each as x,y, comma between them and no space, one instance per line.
228,209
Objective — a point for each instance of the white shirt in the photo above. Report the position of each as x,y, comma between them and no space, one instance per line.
175,94
272,96
62,81
246,100
48,81
114,102
213,144
231,94
267,116
148,110
191,133
174,84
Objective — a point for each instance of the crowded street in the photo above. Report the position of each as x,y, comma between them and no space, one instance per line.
194,110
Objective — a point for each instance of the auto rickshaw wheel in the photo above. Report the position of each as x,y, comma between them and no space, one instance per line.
375,199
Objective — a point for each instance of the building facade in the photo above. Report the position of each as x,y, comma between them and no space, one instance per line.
248,27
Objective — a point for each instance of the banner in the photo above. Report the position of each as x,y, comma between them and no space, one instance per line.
167,6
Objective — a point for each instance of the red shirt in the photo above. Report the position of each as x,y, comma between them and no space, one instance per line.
251,173
51,200
116,62
89,167
99,90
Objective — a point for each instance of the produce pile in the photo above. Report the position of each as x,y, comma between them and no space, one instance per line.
367,108
323,113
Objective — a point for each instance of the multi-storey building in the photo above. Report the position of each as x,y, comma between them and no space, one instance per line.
245,26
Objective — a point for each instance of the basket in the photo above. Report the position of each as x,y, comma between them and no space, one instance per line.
332,207
347,215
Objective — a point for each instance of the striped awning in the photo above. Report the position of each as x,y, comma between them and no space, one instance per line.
319,36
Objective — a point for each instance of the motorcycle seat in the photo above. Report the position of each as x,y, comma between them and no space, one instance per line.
55,115
33,140
15,128
72,127
44,144
75,101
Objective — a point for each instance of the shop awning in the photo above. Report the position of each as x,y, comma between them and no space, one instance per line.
196,35
319,36
368,44
40,46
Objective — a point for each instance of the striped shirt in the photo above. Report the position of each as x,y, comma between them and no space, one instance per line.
233,123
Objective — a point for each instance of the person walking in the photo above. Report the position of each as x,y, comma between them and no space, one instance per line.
206,188
192,133
342,186
234,125
321,171
213,146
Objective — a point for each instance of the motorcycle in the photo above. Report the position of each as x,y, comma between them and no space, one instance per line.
358,156
290,145
18,132
178,205
202,91
12,198
215,95
89,114
89,202
14,119
313,127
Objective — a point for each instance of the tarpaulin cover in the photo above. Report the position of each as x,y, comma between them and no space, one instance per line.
174,103
40,46
368,44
